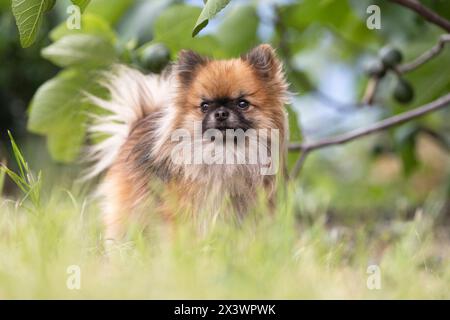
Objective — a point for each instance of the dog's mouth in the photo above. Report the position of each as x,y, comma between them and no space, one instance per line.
223,128
227,132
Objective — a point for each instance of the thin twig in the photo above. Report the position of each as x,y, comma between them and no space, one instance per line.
425,12
378,126
437,104
299,164
426,56
371,90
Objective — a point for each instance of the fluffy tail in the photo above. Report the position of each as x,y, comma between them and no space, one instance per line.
132,96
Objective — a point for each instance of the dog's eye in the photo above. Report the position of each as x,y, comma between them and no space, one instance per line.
243,104
204,106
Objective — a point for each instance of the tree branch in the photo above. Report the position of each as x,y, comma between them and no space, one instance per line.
299,164
372,85
426,56
306,148
425,12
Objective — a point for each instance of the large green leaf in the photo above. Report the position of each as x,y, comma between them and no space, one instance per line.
337,16
59,112
80,50
397,21
54,100
238,32
211,8
90,24
110,10
5,5
81,3
28,15
66,143
173,29
143,15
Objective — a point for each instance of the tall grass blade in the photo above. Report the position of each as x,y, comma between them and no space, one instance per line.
25,180
2,180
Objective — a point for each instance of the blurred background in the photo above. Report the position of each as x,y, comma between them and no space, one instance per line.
326,48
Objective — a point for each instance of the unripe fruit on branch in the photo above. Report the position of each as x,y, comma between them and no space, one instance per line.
154,57
403,91
390,57
375,69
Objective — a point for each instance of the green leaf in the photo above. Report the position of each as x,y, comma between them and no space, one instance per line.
49,5
173,29
66,143
80,49
26,180
53,100
81,3
15,178
211,8
300,80
336,16
144,15
5,5
90,24
23,166
238,32
111,11
59,112
28,15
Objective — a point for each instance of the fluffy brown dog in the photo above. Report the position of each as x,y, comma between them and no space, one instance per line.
149,113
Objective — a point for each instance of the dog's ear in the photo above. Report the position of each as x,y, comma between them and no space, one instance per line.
188,62
264,60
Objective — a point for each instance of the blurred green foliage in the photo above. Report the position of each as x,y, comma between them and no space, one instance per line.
146,34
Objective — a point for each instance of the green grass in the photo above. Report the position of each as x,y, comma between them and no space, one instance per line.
295,254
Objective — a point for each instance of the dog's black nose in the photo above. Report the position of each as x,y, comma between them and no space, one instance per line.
221,114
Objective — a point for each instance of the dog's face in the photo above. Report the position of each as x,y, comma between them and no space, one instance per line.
244,93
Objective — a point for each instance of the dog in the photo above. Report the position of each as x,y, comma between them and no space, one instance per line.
201,100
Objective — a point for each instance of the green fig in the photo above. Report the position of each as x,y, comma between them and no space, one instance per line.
154,57
376,69
403,91
390,57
